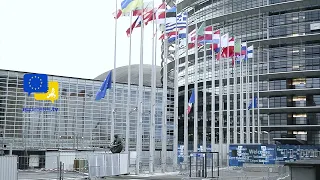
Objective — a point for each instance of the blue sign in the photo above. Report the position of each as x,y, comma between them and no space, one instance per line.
190,152
37,83
246,153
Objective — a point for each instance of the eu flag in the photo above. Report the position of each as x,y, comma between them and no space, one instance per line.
37,83
105,85
254,103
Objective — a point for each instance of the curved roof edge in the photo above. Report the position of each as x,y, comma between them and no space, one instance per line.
122,75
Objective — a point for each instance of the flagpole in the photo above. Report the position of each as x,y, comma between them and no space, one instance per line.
153,88
175,122
258,80
247,99
213,88
213,96
186,84
195,121
241,100
228,100
220,105
253,108
129,92
114,76
140,101
258,94
164,101
235,96
204,81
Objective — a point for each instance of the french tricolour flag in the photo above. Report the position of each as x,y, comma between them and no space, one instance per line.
191,101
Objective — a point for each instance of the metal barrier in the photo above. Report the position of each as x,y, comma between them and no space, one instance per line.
198,168
104,165
204,164
8,168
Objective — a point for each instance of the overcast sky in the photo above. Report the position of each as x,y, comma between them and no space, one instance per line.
67,37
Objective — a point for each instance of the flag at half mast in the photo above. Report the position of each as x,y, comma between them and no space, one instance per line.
104,87
191,101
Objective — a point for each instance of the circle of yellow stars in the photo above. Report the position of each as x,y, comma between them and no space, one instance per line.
35,77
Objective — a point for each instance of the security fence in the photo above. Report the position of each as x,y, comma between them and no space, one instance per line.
207,166
75,165
87,164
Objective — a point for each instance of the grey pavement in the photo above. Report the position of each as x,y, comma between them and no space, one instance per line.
44,175
225,174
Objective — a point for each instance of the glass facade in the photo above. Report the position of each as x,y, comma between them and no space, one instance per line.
288,71
75,120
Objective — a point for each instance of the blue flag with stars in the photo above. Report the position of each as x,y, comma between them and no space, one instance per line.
253,104
37,83
105,85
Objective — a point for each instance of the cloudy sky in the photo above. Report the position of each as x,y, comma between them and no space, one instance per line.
67,37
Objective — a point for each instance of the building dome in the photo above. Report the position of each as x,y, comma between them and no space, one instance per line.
122,75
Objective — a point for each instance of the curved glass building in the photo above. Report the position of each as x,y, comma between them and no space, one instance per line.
76,120
284,73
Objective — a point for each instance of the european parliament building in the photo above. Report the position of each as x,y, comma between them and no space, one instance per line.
286,39
76,121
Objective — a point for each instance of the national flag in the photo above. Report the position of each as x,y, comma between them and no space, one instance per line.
250,51
208,38
129,5
147,17
117,14
237,51
201,29
152,15
191,101
195,34
253,103
243,55
204,36
105,85
228,51
167,16
237,46
231,47
181,22
224,40
147,6
181,34
135,24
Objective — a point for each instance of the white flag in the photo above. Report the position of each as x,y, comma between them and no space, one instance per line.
225,40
